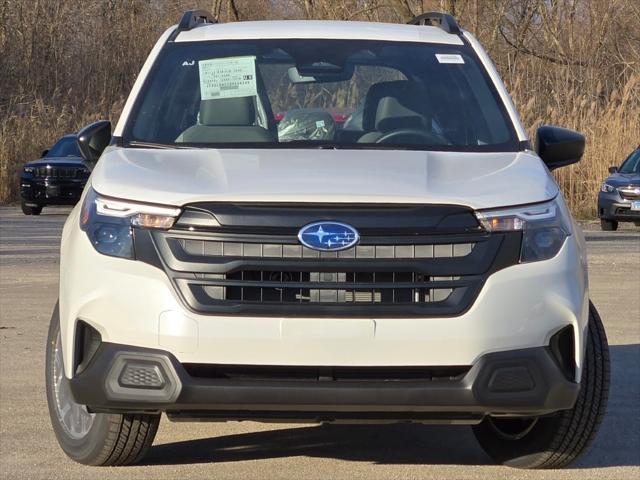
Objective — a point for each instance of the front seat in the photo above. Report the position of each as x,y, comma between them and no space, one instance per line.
226,120
395,105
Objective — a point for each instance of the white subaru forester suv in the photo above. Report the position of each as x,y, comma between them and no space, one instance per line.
324,222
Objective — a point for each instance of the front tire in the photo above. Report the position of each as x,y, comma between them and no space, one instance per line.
555,441
608,225
91,438
27,210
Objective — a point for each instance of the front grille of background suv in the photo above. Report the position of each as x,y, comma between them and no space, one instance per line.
411,261
59,172
630,192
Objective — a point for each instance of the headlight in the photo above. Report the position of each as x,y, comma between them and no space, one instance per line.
606,188
29,169
544,226
108,222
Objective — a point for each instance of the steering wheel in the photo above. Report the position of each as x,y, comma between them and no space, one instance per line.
412,133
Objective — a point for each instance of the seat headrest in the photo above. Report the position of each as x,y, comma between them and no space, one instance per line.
401,103
393,115
236,111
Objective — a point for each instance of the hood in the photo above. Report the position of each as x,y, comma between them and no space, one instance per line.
58,161
623,179
181,176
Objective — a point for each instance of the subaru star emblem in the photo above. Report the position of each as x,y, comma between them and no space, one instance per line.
328,236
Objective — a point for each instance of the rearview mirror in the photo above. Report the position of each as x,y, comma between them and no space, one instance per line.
558,147
92,140
320,73
613,169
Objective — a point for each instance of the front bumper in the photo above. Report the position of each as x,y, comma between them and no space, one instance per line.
611,206
51,192
122,378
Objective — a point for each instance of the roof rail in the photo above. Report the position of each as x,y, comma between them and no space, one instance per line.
193,18
437,19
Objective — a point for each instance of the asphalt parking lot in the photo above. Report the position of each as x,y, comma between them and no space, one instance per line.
28,291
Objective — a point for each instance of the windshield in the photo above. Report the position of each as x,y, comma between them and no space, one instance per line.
320,93
631,164
65,147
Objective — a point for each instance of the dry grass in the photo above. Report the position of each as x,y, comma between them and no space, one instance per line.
612,128
30,126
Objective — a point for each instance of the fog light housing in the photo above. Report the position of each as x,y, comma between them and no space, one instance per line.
141,375
142,378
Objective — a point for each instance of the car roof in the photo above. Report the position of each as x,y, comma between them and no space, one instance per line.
321,29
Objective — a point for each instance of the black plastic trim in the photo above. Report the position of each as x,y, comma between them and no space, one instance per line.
192,18
87,343
444,21
547,389
369,219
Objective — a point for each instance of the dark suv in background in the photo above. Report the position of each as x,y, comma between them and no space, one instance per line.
56,179
619,197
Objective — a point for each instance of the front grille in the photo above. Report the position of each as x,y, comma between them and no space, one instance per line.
630,193
259,286
59,172
392,272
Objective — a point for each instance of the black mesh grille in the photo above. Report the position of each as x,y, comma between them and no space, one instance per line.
261,286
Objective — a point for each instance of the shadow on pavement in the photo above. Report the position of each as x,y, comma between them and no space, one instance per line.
617,444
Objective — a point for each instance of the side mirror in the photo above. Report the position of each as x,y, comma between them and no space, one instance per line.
92,140
44,153
613,169
558,147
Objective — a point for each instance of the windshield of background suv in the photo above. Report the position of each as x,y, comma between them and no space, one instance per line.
631,164
320,93
65,147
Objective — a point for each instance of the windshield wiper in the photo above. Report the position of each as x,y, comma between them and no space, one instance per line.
312,144
161,146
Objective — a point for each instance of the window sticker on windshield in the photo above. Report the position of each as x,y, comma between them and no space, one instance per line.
227,77
449,58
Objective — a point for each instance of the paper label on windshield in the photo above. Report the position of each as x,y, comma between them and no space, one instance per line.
227,77
449,58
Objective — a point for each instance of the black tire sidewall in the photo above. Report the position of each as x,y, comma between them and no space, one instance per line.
91,446
608,225
26,209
